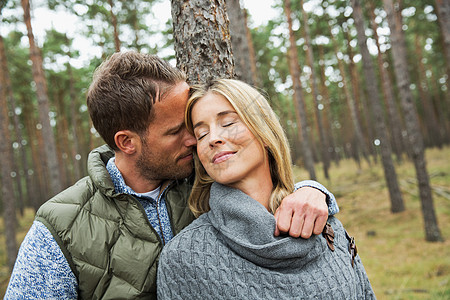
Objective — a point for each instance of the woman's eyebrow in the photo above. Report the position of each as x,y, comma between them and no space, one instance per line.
220,114
226,112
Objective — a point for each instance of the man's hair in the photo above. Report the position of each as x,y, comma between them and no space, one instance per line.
124,89
256,113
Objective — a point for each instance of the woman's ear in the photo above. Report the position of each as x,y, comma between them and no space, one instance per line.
127,141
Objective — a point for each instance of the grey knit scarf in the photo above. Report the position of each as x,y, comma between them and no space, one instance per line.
248,229
231,253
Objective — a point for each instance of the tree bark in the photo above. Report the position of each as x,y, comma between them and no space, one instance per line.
62,132
6,159
375,103
388,92
202,39
398,46
317,102
251,49
327,108
429,115
360,104
38,187
443,13
299,102
43,103
350,102
74,111
22,167
239,42
115,26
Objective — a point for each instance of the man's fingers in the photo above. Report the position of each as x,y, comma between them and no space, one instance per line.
308,226
277,231
297,225
283,218
320,223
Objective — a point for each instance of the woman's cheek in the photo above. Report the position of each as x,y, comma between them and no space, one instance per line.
201,152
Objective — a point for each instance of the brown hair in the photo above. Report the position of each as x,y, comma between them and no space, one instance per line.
124,89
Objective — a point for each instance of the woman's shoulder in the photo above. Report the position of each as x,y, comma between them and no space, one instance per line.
198,231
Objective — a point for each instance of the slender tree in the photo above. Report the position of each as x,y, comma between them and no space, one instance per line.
363,113
359,138
432,232
43,103
6,159
316,96
327,107
374,100
115,25
251,50
299,101
21,165
395,125
202,39
443,12
430,118
239,42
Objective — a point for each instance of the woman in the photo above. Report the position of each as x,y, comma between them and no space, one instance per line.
243,170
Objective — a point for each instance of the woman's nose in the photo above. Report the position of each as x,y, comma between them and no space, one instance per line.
215,138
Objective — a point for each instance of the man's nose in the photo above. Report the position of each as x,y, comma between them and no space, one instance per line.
189,139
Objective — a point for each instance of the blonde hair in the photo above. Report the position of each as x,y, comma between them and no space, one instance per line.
256,113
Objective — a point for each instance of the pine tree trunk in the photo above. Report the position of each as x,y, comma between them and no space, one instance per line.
299,102
443,13
74,111
62,132
365,124
6,159
375,103
315,90
327,116
43,103
395,124
135,26
202,39
115,26
350,102
440,104
398,46
38,187
430,118
239,42
22,171
442,9
251,50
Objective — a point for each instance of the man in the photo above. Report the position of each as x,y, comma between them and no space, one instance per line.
101,238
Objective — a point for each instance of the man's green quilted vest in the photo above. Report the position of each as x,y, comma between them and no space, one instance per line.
106,237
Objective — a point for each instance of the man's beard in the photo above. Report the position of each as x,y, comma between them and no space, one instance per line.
153,168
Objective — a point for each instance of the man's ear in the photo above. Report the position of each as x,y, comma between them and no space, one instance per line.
127,141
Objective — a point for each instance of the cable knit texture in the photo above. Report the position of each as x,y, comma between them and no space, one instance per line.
231,253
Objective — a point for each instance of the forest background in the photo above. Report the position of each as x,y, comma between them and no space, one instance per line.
361,88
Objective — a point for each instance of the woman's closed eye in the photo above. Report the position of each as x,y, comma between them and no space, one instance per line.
200,135
228,124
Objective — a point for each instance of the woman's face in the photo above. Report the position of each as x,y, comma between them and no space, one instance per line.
227,149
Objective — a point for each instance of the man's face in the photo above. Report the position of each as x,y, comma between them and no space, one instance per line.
167,146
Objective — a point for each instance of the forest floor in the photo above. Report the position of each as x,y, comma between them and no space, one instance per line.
399,262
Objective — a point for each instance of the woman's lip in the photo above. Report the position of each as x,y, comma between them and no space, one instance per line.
222,156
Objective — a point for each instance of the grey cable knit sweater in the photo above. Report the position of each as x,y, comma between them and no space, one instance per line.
231,253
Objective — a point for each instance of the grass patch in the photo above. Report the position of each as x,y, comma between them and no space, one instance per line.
398,260
400,264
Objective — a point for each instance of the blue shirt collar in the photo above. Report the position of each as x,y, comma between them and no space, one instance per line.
119,183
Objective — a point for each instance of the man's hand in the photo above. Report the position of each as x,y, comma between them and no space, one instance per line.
302,213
